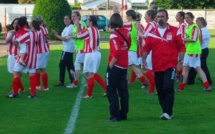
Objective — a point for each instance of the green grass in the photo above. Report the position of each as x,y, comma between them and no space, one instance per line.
2,36
212,32
104,34
50,112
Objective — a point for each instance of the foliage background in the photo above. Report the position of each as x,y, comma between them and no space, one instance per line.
53,12
185,4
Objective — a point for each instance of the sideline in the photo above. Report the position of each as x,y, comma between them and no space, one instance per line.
74,114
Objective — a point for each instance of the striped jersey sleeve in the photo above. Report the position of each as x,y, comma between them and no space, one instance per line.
194,34
84,35
24,38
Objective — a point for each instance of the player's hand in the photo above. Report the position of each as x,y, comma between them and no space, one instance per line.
144,65
179,66
54,32
13,32
16,43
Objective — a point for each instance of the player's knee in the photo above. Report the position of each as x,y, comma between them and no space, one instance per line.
77,66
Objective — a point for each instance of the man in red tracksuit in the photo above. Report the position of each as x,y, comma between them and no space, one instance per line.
166,45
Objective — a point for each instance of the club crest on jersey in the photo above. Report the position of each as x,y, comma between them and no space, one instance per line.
169,36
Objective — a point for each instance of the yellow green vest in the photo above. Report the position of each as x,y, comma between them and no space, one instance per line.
193,47
133,34
79,44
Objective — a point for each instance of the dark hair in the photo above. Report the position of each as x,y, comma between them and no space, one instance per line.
35,24
182,14
190,14
151,13
203,21
131,13
93,19
139,16
69,16
39,19
22,21
77,13
116,21
10,26
163,10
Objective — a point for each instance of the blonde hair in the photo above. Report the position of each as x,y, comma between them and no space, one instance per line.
203,21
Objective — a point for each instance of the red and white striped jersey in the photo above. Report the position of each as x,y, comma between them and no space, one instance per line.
43,45
194,34
140,43
151,25
12,49
31,40
91,36
182,28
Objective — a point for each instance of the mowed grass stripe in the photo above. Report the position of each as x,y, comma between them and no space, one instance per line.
75,109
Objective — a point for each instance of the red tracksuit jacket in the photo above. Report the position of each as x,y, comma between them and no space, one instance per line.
119,47
164,50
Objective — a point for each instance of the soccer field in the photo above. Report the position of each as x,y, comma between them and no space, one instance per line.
52,112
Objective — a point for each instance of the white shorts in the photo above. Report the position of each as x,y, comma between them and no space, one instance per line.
149,61
139,61
22,48
132,58
11,60
42,60
23,69
79,58
92,62
192,61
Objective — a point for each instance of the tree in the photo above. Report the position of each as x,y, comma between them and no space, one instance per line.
26,1
53,12
186,4
9,1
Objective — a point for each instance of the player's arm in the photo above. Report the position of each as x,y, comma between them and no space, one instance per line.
194,36
10,35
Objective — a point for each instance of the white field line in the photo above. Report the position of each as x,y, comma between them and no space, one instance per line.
74,114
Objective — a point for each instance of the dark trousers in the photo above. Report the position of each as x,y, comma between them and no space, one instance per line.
66,61
192,72
116,81
165,87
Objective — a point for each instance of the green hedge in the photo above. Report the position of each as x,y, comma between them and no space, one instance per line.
53,12
75,7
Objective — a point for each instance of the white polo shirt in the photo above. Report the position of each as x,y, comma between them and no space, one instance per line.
68,45
205,37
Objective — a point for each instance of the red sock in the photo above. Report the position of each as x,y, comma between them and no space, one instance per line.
101,82
45,80
206,85
181,86
133,76
179,73
37,76
150,76
33,85
75,82
142,79
90,86
16,85
21,87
